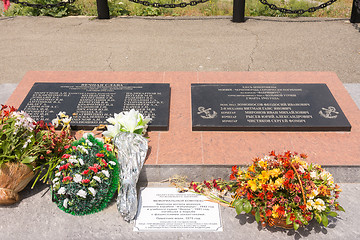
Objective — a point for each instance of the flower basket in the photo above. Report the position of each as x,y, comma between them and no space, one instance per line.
274,222
14,177
281,190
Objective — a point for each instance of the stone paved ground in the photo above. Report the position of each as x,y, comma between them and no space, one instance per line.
172,44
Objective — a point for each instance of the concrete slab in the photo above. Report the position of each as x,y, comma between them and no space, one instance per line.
178,44
37,217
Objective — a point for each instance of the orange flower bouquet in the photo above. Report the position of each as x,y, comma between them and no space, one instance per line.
282,190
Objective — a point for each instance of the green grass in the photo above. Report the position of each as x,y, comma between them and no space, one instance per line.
340,9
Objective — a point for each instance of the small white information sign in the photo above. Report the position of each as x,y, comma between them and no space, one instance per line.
165,209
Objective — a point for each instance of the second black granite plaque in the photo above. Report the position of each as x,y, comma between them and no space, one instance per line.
266,107
90,104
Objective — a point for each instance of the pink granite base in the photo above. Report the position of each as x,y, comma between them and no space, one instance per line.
181,145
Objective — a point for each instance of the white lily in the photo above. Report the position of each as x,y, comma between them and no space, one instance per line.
112,131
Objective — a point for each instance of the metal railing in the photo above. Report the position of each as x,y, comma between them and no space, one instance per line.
238,7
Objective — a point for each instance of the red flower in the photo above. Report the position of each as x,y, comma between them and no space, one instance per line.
105,163
232,176
100,155
85,172
292,217
269,195
85,181
303,207
67,146
108,147
68,178
261,195
289,174
64,167
268,213
281,210
306,176
303,155
73,147
66,156
249,196
94,169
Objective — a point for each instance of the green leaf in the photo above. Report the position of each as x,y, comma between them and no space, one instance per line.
257,215
325,220
28,160
341,208
247,207
296,226
332,214
288,221
318,217
238,204
239,209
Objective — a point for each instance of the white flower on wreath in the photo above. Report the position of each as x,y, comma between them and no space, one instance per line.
96,178
77,178
112,163
58,174
61,191
81,193
83,149
55,181
106,173
81,161
92,191
72,159
65,203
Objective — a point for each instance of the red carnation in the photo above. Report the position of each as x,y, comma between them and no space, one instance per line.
85,172
67,178
66,156
100,155
105,163
85,181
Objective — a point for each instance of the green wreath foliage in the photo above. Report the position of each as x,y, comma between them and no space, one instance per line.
87,178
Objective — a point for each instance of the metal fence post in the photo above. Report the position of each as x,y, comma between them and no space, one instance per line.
103,9
239,11
355,13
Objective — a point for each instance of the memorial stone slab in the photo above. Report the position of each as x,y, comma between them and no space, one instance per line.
266,107
90,104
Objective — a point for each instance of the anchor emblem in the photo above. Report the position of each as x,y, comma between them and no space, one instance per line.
209,113
329,112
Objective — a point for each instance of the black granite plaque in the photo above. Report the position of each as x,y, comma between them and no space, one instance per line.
266,107
90,104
